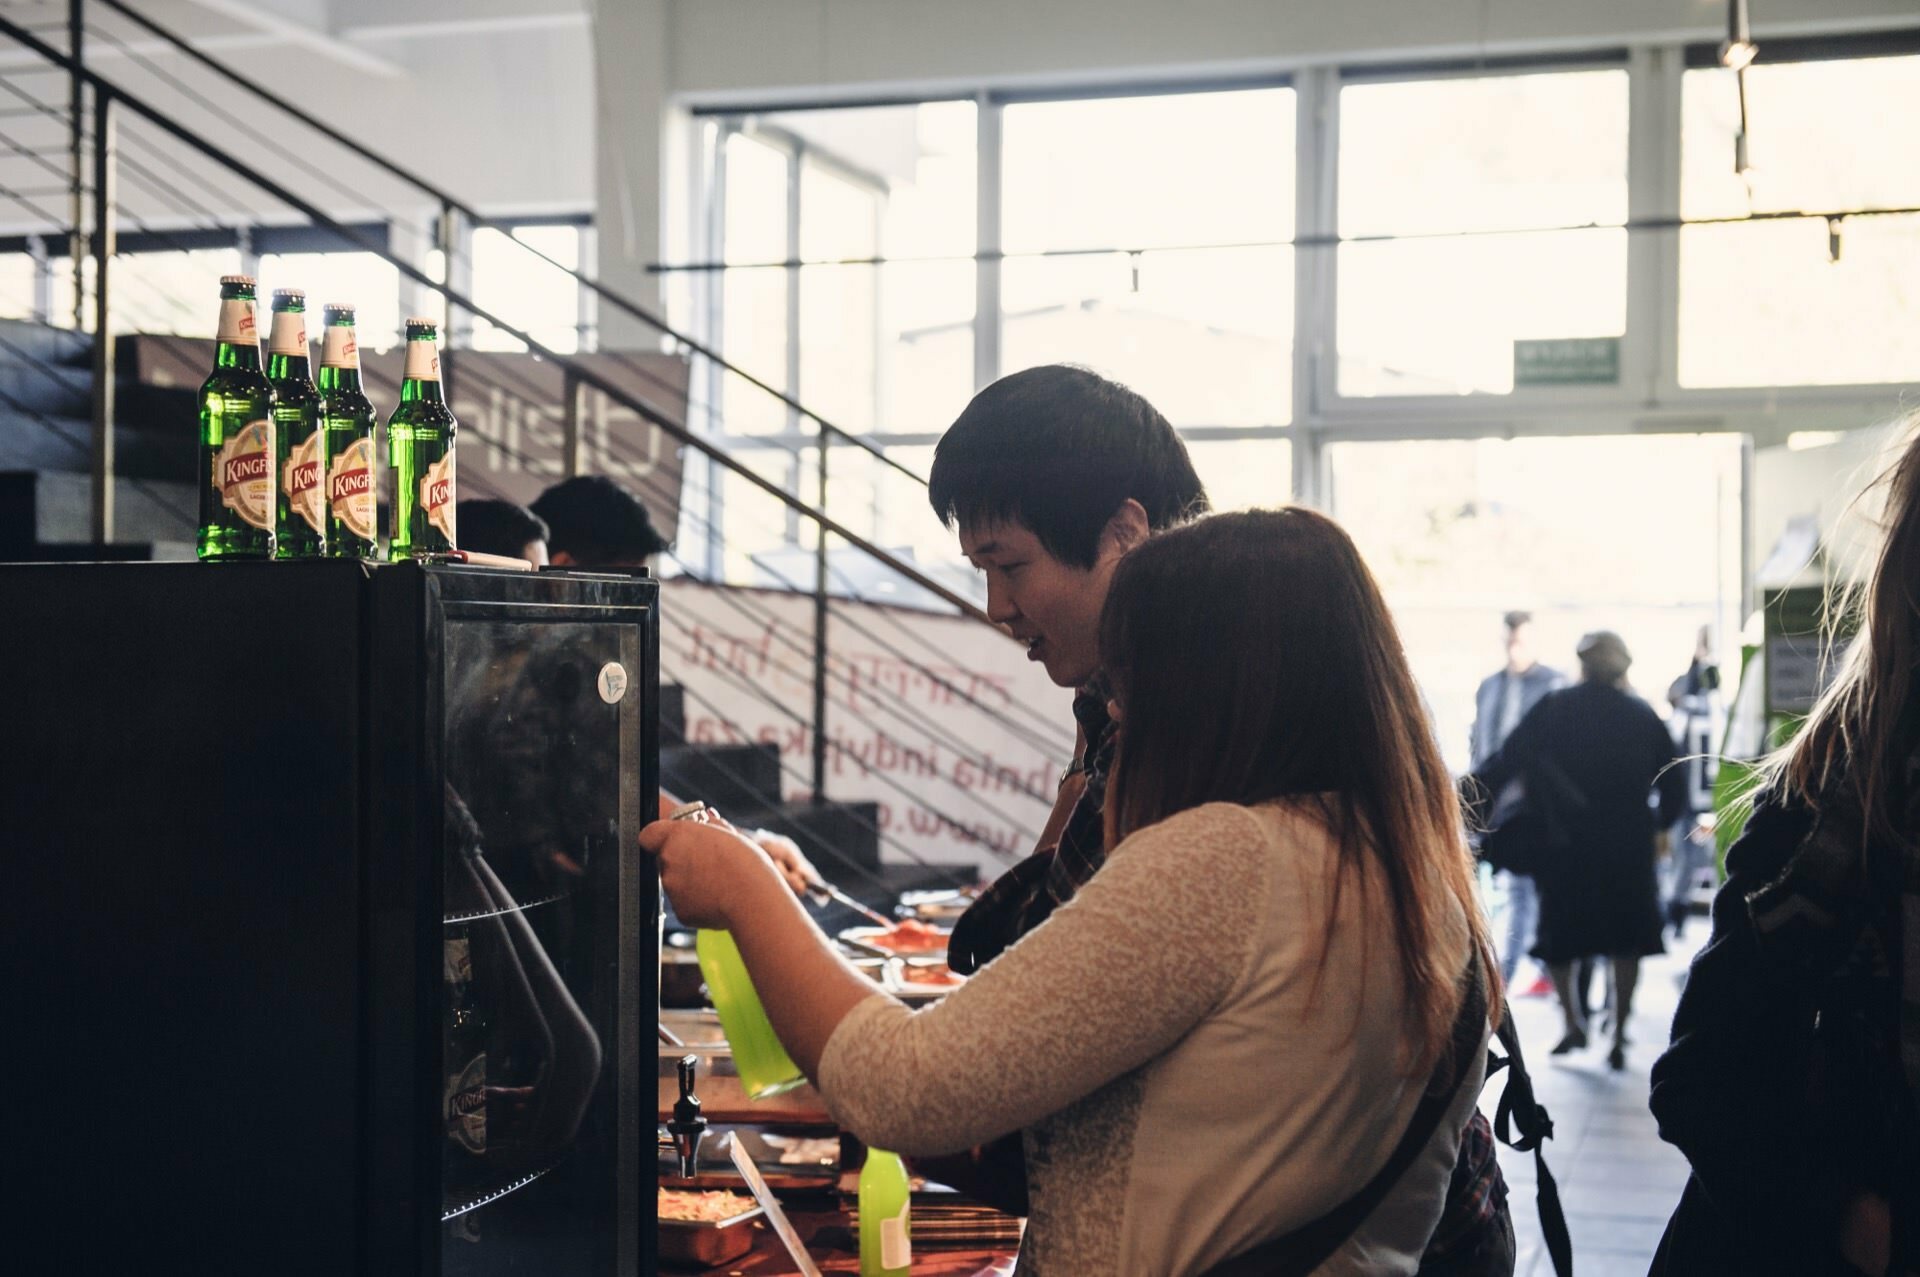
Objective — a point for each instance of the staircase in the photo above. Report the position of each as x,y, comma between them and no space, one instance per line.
46,444
46,457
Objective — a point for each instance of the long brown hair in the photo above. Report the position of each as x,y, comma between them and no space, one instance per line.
1254,659
1847,745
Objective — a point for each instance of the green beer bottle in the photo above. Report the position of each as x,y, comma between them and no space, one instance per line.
420,450
237,453
348,419
300,530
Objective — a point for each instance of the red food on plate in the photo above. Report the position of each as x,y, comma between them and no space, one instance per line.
940,975
912,937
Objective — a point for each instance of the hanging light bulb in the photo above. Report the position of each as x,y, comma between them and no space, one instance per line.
1739,51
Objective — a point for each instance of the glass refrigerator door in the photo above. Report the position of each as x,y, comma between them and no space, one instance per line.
541,760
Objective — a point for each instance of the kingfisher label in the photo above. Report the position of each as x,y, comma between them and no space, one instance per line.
350,493
305,492
437,496
339,348
243,471
423,361
466,1106
236,322
289,335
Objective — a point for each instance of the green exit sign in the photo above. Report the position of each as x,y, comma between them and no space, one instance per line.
1567,361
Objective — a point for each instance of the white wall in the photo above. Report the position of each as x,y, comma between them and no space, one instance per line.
505,123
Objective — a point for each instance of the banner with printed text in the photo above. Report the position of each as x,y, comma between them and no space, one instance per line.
940,720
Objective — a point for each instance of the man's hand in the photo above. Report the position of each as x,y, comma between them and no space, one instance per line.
788,859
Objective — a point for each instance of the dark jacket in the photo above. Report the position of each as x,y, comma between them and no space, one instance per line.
1593,754
1485,737
1778,1132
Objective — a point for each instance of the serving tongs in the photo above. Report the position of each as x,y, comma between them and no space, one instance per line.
824,892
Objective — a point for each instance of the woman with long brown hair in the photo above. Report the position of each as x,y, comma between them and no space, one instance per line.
1793,1079
1251,1042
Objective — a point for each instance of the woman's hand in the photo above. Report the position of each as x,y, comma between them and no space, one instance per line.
707,868
788,859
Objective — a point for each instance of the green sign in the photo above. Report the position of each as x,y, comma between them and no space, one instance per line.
1567,361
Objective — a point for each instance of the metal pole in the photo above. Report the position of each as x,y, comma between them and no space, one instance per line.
104,238
820,638
571,451
76,130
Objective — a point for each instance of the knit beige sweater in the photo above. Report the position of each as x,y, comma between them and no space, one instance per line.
1190,1076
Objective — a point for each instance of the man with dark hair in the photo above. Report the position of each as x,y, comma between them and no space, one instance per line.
593,522
1051,477
501,527
1502,700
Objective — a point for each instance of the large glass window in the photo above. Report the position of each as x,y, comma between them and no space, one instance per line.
17,277
1766,303
1637,535
525,291
367,280
1195,320
1475,166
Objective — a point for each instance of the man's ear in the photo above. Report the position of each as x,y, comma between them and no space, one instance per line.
1126,531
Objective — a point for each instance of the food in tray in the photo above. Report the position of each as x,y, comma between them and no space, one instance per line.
702,1207
929,973
906,937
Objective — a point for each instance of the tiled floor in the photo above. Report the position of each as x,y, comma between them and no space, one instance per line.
1618,1181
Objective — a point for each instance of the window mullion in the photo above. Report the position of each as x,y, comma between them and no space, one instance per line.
1650,348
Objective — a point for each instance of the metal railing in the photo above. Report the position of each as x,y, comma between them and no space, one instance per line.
96,164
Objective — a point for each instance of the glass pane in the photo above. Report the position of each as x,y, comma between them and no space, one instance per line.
1245,474
886,347
525,291
754,331
754,523
534,762
1460,531
370,282
1499,153
16,286
1204,327
839,305
1206,336
1763,304
175,293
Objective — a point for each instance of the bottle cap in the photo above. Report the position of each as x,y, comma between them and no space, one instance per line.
417,321
338,308
289,297
237,279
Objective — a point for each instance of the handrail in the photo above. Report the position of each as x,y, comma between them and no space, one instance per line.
448,201
586,375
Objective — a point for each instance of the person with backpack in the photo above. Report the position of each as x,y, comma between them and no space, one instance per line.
1792,1082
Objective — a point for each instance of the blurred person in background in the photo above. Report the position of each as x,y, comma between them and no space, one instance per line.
503,528
1590,755
1503,699
594,522
1793,1080
1694,724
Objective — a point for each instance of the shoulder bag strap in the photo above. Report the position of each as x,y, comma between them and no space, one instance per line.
1306,1248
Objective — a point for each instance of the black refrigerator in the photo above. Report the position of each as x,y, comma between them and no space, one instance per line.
328,944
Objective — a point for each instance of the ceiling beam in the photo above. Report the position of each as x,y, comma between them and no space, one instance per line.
304,23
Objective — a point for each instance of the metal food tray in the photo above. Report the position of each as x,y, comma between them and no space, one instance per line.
708,1242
